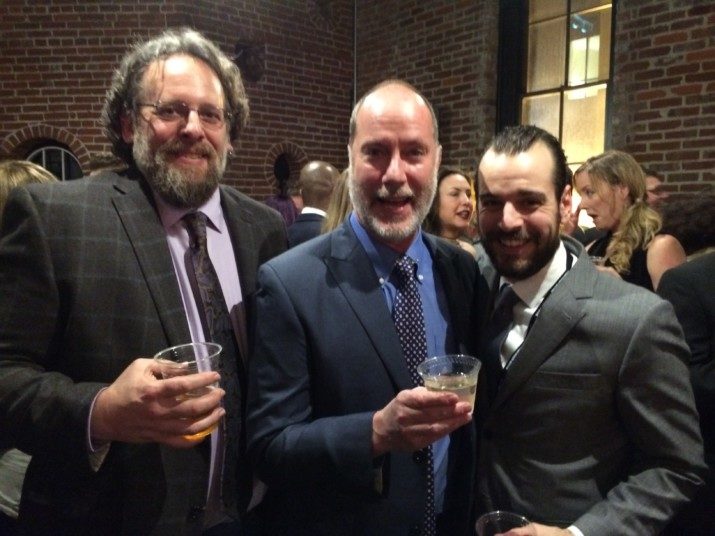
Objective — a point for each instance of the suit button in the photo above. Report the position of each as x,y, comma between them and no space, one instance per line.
419,457
195,512
415,530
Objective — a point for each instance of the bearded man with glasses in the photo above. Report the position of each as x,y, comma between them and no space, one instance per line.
96,276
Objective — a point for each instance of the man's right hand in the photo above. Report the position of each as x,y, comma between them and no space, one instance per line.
416,418
141,408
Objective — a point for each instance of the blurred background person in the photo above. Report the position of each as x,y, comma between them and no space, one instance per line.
339,207
613,193
690,287
691,219
13,462
317,179
451,212
656,195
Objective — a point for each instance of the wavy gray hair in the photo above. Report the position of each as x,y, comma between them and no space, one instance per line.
126,83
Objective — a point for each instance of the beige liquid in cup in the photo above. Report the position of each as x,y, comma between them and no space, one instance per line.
464,386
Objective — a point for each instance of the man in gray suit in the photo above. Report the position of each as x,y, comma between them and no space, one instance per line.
590,426
94,279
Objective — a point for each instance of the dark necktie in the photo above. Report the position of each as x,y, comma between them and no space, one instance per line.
410,325
497,331
218,329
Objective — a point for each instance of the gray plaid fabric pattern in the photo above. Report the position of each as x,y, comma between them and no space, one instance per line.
410,325
218,327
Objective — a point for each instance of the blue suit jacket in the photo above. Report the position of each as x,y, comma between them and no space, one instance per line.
305,227
327,357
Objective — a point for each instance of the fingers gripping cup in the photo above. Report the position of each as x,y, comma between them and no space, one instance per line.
499,522
456,373
186,359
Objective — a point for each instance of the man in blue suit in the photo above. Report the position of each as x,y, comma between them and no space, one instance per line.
337,428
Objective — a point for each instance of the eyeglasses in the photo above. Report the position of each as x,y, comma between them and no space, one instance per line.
210,116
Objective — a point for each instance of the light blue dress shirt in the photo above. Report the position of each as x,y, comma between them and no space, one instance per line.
440,338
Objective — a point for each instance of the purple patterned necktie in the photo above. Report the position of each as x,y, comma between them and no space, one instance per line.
218,329
410,325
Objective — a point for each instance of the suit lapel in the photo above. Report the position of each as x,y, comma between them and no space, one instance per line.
348,263
559,314
240,224
148,239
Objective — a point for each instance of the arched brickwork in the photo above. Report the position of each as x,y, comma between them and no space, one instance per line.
297,158
18,143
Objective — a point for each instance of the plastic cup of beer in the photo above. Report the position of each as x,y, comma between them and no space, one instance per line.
190,358
456,373
499,522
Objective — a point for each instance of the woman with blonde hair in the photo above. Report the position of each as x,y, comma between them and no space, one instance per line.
17,172
339,207
613,193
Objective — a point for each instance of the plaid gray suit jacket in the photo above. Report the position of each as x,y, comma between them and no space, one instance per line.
87,286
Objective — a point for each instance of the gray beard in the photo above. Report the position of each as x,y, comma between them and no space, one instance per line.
177,187
388,231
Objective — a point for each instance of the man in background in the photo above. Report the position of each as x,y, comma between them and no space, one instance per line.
317,180
98,274
589,425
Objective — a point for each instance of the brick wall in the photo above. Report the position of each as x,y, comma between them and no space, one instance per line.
447,50
663,87
56,60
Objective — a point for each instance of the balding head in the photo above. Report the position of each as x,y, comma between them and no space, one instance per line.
317,179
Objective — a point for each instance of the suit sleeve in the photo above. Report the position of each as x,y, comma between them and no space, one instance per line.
654,402
287,443
40,409
693,317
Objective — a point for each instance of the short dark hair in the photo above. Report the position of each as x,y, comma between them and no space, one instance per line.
123,94
519,139
393,81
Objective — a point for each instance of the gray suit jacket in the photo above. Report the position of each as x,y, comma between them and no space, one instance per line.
328,357
87,286
594,422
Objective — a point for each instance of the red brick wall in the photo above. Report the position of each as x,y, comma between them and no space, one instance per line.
447,50
56,60
663,86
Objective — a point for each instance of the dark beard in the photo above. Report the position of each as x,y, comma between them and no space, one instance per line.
178,187
519,269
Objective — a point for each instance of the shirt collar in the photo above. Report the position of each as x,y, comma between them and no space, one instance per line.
383,257
170,215
533,289
313,210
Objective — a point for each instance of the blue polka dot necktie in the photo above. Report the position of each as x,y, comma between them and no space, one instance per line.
218,329
410,325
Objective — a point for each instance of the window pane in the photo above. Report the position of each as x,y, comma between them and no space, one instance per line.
72,169
542,111
547,55
584,125
546,9
589,46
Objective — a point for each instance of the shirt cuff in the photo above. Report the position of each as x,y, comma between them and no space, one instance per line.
575,530
97,452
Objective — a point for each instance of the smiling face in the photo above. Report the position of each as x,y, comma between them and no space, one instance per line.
519,213
393,164
455,205
182,160
603,202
